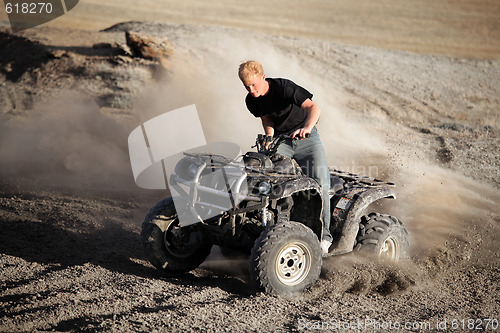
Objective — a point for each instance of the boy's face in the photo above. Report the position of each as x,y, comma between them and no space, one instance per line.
256,85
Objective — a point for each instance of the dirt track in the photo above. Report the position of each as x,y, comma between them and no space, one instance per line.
70,252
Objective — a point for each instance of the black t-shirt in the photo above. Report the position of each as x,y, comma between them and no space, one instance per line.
281,104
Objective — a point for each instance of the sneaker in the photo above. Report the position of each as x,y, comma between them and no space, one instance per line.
325,245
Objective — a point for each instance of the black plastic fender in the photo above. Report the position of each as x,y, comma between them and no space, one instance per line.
289,187
360,201
308,201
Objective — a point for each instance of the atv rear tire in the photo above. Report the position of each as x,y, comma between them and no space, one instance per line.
158,241
285,259
383,236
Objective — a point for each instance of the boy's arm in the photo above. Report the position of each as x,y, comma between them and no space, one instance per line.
313,113
268,125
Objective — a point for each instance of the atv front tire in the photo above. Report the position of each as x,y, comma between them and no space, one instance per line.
162,241
285,259
383,236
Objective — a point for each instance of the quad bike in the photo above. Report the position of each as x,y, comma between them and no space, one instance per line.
274,217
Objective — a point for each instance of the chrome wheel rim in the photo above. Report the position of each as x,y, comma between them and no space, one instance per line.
389,250
293,263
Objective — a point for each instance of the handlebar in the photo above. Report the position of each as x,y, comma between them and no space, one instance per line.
268,145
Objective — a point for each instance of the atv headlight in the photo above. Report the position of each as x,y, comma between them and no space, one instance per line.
193,170
264,187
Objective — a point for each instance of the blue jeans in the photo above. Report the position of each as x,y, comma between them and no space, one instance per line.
310,155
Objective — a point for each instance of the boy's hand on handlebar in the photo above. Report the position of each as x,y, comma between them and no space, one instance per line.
300,134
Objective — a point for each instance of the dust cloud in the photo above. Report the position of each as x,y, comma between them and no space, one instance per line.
67,142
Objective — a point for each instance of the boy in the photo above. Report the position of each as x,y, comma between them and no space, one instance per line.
285,107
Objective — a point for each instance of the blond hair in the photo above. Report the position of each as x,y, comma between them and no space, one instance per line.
249,69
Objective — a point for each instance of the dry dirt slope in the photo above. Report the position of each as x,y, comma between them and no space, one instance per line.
70,252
